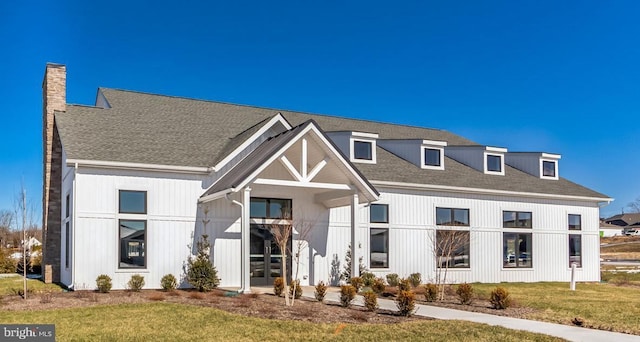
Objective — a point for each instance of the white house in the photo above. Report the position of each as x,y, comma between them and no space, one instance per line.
132,181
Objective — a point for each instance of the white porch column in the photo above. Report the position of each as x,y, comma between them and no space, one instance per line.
355,264
245,246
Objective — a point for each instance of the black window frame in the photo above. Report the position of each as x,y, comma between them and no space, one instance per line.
66,209
268,207
132,212
66,245
355,150
544,169
517,258
438,153
386,246
453,221
517,219
499,162
466,248
574,226
144,245
572,250
378,205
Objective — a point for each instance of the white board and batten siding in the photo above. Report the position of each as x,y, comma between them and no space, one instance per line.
171,222
412,225
174,221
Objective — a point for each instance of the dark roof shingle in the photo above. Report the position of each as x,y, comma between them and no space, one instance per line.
164,130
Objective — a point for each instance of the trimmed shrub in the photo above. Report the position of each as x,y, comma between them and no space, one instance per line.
278,286
169,282
356,282
367,279
500,298
378,285
136,283
321,291
295,284
393,279
406,302
404,285
103,282
415,279
201,273
431,292
347,294
465,293
370,300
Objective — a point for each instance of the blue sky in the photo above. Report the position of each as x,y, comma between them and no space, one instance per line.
559,77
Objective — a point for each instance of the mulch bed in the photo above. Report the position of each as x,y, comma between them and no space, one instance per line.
255,305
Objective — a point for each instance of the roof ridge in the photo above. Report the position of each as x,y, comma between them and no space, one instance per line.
276,109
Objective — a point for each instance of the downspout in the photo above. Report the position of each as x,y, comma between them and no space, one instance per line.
73,228
242,266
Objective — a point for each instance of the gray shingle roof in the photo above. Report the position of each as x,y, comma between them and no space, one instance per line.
156,129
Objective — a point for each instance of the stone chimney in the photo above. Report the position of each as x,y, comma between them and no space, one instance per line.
54,98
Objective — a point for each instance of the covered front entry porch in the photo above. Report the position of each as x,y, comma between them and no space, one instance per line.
294,179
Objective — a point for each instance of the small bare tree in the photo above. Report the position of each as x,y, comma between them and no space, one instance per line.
282,231
448,247
635,206
6,218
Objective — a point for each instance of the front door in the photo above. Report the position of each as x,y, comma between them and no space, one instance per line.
266,257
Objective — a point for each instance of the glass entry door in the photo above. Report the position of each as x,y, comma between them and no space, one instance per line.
265,256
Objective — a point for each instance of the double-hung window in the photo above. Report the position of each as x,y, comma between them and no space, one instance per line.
452,245
517,246
132,228
379,236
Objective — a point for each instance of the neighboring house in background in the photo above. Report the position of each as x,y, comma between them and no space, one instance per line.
30,243
629,224
133,181
608,229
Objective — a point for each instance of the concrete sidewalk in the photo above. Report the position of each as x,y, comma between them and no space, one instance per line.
567,332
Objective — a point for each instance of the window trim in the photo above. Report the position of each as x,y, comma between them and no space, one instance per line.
486,163
517,212
555,168
579,222
516,259
578,265
372,142
132,217
268,209
423,158
120,211
386,247
386,206
145,249
453,217
468,247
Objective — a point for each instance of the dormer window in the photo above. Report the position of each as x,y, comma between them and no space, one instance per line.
432,157
362,150
549,169
494,163
362,147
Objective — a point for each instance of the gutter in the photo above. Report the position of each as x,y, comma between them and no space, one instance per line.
74,217
446,188
140,166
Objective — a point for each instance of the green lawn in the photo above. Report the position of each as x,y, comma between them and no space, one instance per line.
602,306
10,284
178,322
